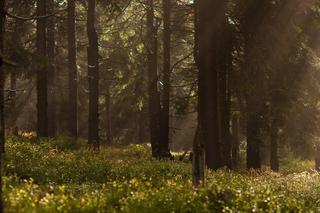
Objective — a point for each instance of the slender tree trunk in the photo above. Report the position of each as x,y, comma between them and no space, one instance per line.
52,120
224,93
73,76
198,158
274,138
108,114
13,93
235,141
2,119
154,96
93,75
165,111
42,78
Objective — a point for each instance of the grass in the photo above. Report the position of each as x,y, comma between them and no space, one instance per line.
61,176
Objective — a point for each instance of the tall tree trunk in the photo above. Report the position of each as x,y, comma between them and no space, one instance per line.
225,66
235,141
154,96
52,122
274,138
2,119
211,27
73,76
253,134
255,15
165,111
108,114
93,75
198,158
42,78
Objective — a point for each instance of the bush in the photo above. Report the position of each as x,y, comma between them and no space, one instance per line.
43,178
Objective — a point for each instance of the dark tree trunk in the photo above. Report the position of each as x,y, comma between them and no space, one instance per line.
165,111
2,119
253,134
93,75
108,114
42,78
211,28
52,122
224,93
154,96
235,141
13,87
274,139
73,76
255,15
198,158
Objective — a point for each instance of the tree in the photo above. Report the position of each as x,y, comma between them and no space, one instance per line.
211,31
73,76
225,68
165,110
52,122
235,141
93,76
42,82
154,96
255,15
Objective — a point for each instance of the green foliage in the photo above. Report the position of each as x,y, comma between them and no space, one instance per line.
43,178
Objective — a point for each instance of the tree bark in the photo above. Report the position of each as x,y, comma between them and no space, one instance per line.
72,74
211,27
198,158
165,111
42,78
235,141
225,67
52,120
274,139
154,96
93,75
108,114
253,134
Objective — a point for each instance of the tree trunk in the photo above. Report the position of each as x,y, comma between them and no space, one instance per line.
108,114
235,141
52,122
42,78
73,76
211,27
198,160
255,15
154,96
93,75
274,138
224,93
253,134
2,119
165,111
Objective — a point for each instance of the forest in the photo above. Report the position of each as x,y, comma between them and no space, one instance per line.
159,106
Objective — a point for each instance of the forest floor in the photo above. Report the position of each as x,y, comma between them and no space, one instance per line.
61,176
